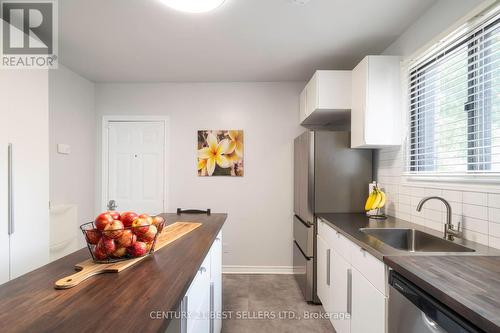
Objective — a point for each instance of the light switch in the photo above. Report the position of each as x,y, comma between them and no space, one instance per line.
63,148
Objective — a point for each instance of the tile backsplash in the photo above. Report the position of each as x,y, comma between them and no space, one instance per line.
479,212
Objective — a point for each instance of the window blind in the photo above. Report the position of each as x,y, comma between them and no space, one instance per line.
454,106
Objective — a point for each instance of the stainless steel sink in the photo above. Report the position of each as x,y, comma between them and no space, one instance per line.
413,240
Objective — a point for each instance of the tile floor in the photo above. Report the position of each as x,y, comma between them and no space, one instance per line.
276,295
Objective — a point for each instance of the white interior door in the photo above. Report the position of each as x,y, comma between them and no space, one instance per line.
136,170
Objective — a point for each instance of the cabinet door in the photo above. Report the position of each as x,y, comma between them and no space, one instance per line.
302,105
216,284
358,107
341,287
198,300
323,273
376,110
311,95
4,142
368,306
28,121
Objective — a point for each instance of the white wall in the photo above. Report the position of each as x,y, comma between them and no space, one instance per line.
72,120
478,207
258,231
435,20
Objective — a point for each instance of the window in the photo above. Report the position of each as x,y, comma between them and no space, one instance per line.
454,106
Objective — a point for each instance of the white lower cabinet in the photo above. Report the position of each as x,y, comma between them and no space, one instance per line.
198,300
216,285
201,307
356,292
341,297
324,274
368,306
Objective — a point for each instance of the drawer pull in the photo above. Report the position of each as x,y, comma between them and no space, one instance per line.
202,269
184,310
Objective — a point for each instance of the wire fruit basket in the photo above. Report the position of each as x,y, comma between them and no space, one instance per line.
115,242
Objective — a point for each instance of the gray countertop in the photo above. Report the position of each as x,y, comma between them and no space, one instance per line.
349,225
466,282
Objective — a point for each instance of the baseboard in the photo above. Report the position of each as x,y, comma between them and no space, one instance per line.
236,269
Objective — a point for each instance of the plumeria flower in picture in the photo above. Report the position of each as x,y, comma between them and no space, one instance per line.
220,153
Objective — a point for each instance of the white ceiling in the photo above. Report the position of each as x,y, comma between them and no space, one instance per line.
243,40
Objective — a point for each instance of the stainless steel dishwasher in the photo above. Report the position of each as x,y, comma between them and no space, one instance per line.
412,310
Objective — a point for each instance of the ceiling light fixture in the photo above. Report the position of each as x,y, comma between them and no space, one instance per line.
193,6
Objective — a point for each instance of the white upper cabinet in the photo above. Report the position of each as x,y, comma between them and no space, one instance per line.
376,114
327,93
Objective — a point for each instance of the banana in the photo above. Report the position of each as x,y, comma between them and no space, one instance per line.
370,200
382,200
377,201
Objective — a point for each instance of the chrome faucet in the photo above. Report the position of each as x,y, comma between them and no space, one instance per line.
449,230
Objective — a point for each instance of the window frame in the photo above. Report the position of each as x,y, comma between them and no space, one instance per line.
424,168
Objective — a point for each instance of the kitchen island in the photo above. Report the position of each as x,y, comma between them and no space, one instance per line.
129,301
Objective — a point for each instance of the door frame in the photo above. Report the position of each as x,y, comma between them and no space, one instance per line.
106,120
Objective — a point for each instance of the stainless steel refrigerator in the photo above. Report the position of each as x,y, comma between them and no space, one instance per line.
329,177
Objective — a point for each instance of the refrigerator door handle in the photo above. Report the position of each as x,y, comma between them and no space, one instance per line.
349,291
328,254
10,191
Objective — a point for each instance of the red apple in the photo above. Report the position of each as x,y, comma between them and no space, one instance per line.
158,222
114,229
119,252
127,218
114,214
93,236
99,254
149,235
148,218
106,245
138,249
126,239
140,226
103,220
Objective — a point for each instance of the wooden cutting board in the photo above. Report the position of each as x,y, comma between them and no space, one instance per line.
88,268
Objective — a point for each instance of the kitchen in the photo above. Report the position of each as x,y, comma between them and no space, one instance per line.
294,113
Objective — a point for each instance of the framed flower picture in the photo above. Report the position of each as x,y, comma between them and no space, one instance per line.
220,153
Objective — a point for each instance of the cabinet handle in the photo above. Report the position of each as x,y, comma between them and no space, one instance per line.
328,252
212,307
184,314
202,269
349,291
10,190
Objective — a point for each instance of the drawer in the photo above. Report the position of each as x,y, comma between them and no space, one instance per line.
343,246
325,231
370,267
199,290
